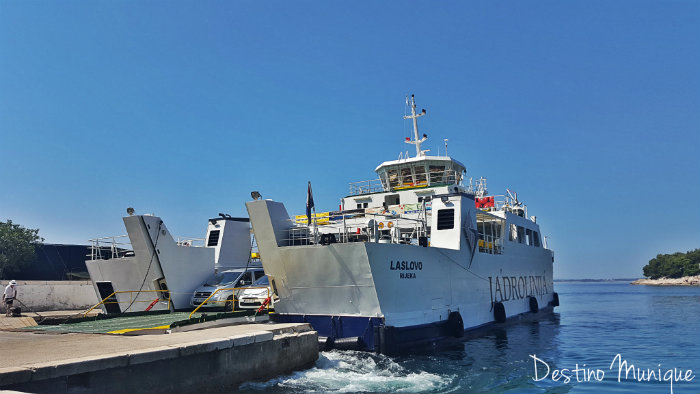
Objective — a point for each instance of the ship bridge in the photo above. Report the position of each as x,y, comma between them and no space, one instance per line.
407,172
421,171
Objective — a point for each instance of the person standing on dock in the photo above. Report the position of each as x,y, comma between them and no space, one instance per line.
8,296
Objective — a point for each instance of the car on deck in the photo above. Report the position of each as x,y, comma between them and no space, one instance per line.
225,282
254,296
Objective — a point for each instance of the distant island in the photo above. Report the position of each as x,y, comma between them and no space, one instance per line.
597,280
677,269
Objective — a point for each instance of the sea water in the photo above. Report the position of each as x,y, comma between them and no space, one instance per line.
598,328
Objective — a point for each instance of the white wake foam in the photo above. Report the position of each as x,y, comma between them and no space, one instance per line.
352,372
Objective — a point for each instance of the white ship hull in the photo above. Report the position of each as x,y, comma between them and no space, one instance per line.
358,289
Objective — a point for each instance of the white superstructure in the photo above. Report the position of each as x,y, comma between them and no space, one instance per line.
410,257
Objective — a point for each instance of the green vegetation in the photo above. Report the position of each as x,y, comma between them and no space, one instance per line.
675,265
17,247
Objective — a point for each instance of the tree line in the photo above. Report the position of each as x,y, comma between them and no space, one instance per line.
17,247
674,265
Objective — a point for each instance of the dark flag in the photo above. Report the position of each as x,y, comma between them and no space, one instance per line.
309,203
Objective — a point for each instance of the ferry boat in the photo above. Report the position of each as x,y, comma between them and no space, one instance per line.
418,255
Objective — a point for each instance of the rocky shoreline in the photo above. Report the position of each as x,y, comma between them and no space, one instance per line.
684,281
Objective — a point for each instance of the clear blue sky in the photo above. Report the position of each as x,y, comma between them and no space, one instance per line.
590,110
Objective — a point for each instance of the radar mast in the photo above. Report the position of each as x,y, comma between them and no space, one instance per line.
417,142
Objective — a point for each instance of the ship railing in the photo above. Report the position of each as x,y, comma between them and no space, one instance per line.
117,246
163,295
506,203
397,181
383,229
490,244
192,242
366,187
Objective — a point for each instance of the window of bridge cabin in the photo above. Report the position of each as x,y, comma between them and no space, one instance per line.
437,174
406,176
393,178
536,237
521,235
420,175
528,237
383,178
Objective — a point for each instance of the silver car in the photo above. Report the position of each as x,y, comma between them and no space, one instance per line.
226,299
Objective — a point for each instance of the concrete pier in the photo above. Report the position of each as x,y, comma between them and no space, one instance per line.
212,359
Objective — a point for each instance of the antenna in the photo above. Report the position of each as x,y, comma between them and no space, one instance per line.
514,197
417,142
445,146
130,211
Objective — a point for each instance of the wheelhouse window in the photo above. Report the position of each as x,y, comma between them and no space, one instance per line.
420,175
446,219
536,237
458,177
393,178
406,177
437,174
383,179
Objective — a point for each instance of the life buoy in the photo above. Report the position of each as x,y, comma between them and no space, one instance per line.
380,225
499,312
534,306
